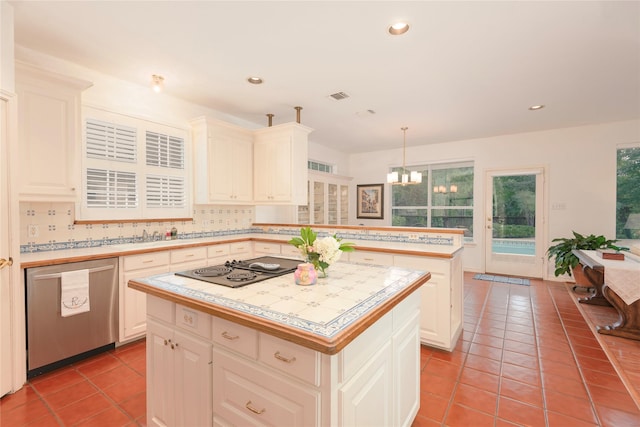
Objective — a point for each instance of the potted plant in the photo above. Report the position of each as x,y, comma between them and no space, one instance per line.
565,260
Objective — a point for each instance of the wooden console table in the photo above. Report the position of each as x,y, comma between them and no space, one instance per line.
621,288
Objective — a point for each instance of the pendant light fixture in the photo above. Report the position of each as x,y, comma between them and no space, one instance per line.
406,178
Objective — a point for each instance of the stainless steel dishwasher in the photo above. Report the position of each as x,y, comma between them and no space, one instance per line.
54,340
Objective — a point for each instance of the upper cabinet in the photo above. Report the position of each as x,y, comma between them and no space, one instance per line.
49,134
328,200
280,167
223,161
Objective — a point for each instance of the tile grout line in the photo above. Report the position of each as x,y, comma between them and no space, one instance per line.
612,360
573,353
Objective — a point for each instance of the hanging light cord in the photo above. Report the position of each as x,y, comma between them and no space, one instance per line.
404,148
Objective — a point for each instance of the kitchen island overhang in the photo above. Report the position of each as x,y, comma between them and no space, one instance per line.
328,336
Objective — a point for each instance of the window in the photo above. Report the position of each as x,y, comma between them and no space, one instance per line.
133,169
444,199
628,193
318,166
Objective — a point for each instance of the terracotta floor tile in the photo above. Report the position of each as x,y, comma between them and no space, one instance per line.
98,365
83,409
610,417
522,374
111,417
136,406
575,388
442,368
30,411
486,351
521,392
461,416
476,398
69,395
488,340
434,384
49,420
453,357
602,379
113,376
18,398
559,369
605,397
519,359
517,327
52,383
520,337
433,406
561,420
520,413
520,347
422,421
124,390
483,364
479,379
570,406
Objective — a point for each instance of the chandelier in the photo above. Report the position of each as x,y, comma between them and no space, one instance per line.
407,178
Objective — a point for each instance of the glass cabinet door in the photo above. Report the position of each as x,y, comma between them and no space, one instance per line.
344,204
318,203
332,209
303,210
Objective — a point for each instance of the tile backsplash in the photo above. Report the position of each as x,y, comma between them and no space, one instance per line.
50,226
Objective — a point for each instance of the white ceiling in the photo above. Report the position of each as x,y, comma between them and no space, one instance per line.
464,70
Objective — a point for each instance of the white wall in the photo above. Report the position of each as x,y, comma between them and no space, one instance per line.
6,48
580,166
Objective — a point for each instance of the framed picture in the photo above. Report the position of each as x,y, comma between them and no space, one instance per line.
370,201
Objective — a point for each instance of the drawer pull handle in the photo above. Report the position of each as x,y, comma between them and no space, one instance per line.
189,255
229,337
278,356
147,261
254,410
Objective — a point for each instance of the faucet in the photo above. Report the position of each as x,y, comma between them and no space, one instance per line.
145,236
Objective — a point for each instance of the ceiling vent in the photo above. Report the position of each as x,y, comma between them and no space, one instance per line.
339,96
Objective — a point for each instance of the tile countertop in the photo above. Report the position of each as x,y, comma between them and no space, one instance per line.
325,317
37,259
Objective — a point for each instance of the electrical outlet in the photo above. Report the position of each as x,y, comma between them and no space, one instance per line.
413,237
33,230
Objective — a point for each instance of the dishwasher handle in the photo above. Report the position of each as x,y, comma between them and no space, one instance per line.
59,275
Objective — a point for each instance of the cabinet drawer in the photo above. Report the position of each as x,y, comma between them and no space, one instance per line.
290,251
154,259
188,255
266,248
371,258
300,362
193,321
218,250
160,308
240,248
235,337
246,395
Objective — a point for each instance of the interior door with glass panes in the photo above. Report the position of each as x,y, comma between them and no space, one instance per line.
513,223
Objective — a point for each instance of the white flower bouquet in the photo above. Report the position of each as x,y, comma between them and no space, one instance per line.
320,252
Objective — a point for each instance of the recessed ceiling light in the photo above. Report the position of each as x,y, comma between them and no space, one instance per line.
536,107
157,83
255,80
398,28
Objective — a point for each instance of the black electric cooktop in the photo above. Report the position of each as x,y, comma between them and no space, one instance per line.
235,274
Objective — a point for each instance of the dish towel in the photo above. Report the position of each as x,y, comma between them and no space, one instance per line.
74,295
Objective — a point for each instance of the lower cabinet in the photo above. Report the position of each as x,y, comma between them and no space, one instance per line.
206,371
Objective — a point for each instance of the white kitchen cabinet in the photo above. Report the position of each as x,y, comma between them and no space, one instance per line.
179,375
256,379
280,166
49,134
266,248
223,162
133,303
441,318
328,201
188,258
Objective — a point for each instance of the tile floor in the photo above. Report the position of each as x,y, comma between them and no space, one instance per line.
527,356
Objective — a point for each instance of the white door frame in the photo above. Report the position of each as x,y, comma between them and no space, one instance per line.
13,344
516,265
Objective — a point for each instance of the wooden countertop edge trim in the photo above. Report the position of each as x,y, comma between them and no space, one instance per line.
327,346
114,254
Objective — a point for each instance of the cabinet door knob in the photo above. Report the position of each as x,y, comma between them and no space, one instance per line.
278,356
254,410
6,262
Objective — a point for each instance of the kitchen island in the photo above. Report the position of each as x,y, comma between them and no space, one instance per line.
343,352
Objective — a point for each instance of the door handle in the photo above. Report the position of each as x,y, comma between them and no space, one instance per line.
6,262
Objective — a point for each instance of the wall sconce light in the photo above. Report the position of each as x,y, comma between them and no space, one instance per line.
157,83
